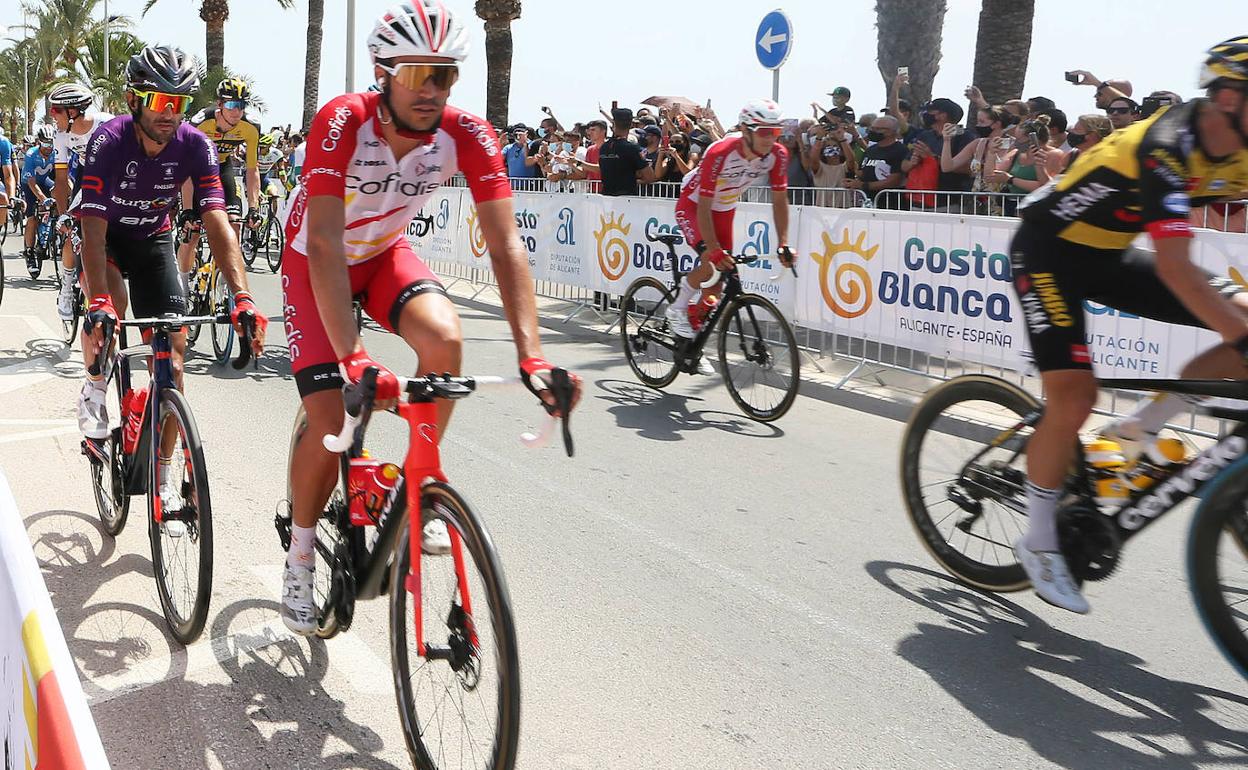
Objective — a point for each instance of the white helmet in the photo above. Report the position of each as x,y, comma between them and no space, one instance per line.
760,112
70,95
418,28
45,133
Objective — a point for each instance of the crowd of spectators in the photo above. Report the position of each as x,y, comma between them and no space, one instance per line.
938,156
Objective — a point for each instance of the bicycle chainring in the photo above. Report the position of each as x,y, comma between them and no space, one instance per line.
1089,541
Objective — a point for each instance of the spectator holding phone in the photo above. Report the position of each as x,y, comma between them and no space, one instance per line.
1034,162
1106,90
831,158
938,114
881,163
984,154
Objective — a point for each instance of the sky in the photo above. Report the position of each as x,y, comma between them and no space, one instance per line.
572,60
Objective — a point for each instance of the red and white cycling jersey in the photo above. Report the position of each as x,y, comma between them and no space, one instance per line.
724,173
348,158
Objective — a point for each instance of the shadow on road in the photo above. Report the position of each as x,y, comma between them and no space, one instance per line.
270,708
275,363
1077,703
36,355
665,416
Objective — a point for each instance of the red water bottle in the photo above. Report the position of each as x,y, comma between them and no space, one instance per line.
369,483
697,316
133,404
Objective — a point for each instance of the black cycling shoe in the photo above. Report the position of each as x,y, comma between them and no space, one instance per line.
32,264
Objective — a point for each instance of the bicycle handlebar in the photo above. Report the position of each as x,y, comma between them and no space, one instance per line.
358,405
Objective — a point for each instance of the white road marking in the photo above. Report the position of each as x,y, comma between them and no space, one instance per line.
30,435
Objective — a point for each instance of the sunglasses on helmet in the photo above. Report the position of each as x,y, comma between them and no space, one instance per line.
412,75
159,101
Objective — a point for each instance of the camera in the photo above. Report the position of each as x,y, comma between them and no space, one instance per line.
1072,78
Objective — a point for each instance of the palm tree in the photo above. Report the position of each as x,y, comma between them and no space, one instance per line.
312,66
69,25
909,35
1002,47
214,13
498,16
111,85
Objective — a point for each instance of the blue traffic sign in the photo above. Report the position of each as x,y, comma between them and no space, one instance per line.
774,40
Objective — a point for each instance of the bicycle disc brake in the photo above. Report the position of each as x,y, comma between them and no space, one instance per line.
1089,541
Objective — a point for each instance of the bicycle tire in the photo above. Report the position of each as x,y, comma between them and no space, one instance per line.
198,305
1221,512
998,577
477,545
274,255
220,301
741,316
329,533
247,243
185,627
647,324
69,328
53,254
1,278
111,501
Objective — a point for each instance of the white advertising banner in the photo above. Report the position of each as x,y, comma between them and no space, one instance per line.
936,283
46,722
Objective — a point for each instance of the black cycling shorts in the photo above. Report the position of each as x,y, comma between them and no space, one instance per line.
150,267
1053,277
229,185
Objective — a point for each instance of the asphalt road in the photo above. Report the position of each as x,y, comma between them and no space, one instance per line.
693,590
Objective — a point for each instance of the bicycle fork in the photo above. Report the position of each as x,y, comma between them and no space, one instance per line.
423,461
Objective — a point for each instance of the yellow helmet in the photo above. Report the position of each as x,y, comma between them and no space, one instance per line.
1227,60
266,141
233,88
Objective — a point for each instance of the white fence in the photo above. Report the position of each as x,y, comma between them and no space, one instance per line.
47,724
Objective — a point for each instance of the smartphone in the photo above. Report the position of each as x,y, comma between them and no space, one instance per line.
1034,139
667,140
1072,78
615,105
903,70
546,110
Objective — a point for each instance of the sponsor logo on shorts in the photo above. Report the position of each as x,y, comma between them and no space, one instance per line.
1080,354
1042,302
1177,203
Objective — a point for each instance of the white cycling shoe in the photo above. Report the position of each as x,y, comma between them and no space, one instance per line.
678,319
434,539
1051,578
92,411
65,299
171,501
298,610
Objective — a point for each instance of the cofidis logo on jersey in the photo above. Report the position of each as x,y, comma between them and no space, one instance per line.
476,237
920,282
612,247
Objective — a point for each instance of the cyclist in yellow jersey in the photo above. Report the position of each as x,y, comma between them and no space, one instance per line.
1074,243
229,129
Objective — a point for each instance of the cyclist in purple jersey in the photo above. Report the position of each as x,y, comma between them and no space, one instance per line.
133,168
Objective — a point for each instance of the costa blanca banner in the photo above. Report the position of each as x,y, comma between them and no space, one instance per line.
937,283
47,724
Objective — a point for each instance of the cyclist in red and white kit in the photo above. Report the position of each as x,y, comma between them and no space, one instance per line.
708,201
373,160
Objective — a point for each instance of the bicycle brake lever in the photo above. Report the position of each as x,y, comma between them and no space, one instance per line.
244,342
563,392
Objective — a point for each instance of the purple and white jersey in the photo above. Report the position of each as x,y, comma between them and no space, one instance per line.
133,192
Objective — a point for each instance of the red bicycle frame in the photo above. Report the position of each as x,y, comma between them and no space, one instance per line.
424,461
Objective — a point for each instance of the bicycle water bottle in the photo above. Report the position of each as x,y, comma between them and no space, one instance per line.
133,404
1154,463
1107,462
700,311
370,483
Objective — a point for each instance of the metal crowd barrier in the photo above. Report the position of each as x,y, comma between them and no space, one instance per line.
992,204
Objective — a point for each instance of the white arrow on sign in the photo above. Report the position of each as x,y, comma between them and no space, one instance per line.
769,39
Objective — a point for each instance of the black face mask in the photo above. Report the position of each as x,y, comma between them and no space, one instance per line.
875,136
1074,139
929,119
983,131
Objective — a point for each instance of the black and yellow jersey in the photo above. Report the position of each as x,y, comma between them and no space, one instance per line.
244,132
1144,178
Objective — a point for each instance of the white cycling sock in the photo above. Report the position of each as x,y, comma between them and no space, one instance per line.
302,543
1152,415
685,295
1042,517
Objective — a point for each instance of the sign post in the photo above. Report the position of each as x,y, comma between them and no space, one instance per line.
772,44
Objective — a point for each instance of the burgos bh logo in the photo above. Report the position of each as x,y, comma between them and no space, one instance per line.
476,238
849,294
613,251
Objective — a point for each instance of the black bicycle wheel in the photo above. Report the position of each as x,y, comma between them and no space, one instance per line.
333,532
198,300
758,358
69,328
275,240
219,301
55,240
460,704
108,478
1217,562
963,478
649,344
248,242
182,561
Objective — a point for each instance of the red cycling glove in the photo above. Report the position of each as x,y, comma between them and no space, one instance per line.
99,310
353,367
244,304
716,257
